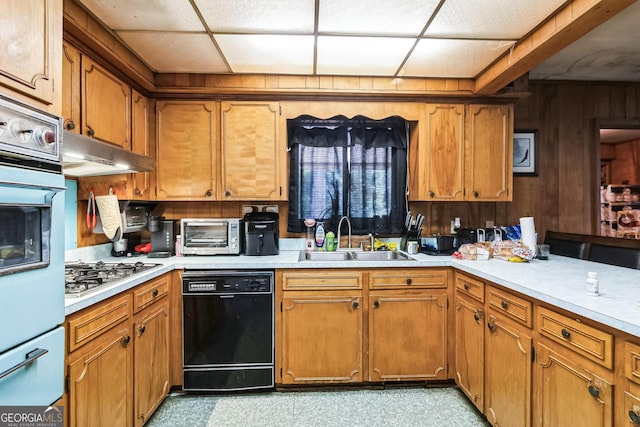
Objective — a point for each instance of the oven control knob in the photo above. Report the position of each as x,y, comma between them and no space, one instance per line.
44,137
20,130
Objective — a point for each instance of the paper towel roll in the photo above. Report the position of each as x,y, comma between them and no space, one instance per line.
110,217
528,231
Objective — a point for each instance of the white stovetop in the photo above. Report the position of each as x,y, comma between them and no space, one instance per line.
560,281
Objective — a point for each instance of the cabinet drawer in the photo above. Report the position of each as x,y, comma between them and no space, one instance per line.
146,294
588,341
93,322
322,279
512,306
469,286
632,361
410,278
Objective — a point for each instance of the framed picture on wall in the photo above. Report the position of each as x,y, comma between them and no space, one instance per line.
525,152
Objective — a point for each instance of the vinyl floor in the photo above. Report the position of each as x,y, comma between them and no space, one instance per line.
414,406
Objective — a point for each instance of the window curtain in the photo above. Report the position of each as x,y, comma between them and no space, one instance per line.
354,167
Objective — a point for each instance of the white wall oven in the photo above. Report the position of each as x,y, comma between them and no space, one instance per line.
31,256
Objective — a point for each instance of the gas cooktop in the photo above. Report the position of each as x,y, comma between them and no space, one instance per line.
82,278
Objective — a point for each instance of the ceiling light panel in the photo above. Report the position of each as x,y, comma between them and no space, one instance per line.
158,15
250,16
269,54
452,58
501,19
367,56
375,17
176,52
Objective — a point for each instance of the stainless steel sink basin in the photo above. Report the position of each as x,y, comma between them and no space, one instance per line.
381,256
354,256
324,256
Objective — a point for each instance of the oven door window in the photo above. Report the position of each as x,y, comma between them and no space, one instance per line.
207,235
24,237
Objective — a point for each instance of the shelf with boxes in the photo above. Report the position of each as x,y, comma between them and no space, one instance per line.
620,211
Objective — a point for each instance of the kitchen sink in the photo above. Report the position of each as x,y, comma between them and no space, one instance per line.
354,256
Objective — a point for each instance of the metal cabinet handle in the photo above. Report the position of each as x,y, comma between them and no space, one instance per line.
70,125
432,194
208,193
491,326
504,304
475,194
137,192
477,315
227,193
409,281
376,304
355,304
29,359
90,131
154,293
635,418
125,340
466,286
593,391
565,334
141,329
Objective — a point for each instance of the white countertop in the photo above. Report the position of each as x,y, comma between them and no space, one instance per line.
560,281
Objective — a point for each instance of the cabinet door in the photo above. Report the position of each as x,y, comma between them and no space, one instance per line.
100,385
30,46
442,161
252,154
71,87
508,374
186,150
151,360
322,338
106,105
489,160
569,393
407,336
140,182
469,350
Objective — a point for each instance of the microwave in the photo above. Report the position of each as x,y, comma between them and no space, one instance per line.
211,236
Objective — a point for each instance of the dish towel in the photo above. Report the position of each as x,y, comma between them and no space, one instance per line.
109,211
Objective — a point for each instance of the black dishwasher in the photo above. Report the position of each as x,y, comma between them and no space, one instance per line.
228,330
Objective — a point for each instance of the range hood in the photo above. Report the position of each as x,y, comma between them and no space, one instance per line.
84,156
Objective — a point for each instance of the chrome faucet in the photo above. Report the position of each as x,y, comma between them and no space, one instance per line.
340,226
371,241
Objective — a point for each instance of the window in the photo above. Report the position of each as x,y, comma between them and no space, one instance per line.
355,167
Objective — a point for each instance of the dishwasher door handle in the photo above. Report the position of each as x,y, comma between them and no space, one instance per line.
227,296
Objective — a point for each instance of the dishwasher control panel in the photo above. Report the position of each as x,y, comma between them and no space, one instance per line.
236,282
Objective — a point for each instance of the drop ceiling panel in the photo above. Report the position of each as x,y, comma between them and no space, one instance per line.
371,56
176,52
480,19
246,16
452,58
160,15
251,53
375,17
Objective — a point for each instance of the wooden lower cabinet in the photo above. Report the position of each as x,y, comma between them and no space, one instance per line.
469,350
151,360
508,372
322,337
100,381
407,335
569,392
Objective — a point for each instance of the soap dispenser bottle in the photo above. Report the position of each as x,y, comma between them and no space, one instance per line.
319,234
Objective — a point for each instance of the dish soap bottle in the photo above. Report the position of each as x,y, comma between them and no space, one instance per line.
319,235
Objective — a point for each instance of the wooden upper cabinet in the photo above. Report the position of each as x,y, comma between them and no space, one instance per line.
186,150
30,46
140,144
442,162
71,87
253,157
489,167
106,105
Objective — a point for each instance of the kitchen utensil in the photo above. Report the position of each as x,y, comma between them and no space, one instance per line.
91,211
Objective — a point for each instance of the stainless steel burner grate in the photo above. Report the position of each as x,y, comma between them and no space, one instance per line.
82,278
